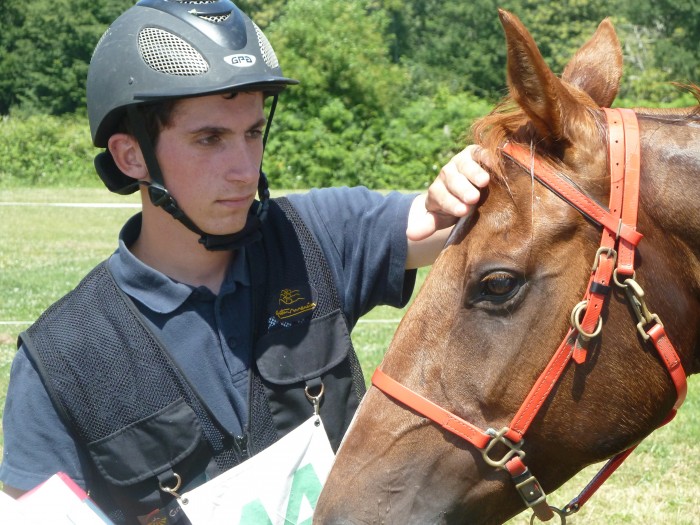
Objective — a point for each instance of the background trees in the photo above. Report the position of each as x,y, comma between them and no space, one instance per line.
388,87
45,48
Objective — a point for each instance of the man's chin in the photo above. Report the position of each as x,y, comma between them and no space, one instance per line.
231,228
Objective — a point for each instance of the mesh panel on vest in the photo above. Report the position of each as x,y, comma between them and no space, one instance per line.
138,368
262,427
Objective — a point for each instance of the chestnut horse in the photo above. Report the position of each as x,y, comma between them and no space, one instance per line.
498,302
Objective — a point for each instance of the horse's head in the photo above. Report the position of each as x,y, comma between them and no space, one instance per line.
497,304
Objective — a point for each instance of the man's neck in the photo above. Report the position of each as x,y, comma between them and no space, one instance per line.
169,247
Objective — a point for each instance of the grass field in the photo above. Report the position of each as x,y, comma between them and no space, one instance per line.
47,248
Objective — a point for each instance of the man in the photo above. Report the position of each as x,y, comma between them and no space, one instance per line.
220,318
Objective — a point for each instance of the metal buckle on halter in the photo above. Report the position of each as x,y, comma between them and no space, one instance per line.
610,252
499,437
635,296
529,489
577,316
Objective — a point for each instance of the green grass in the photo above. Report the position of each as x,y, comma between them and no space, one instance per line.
47,249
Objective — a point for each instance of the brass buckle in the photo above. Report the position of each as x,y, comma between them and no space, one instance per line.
499,437
635,296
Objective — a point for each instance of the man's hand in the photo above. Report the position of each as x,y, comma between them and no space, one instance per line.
451,196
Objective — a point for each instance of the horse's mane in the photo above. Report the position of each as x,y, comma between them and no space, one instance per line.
508,122
676,114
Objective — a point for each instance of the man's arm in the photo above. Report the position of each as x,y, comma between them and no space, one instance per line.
452,195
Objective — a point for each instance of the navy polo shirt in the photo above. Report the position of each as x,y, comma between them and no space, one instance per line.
207,334
361,233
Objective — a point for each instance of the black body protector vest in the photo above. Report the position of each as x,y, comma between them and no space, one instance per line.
135,413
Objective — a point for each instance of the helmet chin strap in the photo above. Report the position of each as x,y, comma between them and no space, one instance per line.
160,196
250,233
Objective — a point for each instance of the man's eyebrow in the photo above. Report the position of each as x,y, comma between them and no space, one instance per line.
210,129
259,124
216,130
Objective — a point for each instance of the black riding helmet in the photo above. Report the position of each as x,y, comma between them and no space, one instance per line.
168,49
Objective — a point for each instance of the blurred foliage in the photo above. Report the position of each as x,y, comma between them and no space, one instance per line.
388,88
46,150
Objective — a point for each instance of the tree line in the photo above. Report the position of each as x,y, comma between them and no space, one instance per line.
388,87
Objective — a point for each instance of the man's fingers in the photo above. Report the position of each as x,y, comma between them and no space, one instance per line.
485,161
451,194
455,191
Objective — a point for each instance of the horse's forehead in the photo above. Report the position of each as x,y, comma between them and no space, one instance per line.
500,221
494,222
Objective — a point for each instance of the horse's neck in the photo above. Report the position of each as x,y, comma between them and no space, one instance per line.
670,187
670,194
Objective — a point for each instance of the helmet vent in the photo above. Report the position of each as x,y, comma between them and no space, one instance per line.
268,53
217,19
169,54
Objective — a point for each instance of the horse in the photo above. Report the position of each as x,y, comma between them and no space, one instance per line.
500,383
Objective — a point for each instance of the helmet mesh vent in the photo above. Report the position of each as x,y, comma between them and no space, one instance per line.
217,19
167,53
268,53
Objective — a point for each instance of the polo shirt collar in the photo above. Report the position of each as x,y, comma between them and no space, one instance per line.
154,289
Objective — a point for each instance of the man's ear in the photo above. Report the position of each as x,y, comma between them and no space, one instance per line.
127,155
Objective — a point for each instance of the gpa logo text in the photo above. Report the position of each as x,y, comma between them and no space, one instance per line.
240,60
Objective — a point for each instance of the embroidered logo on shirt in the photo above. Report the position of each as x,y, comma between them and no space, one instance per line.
292,302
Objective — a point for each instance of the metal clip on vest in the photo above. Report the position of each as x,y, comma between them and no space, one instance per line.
171,490
315,400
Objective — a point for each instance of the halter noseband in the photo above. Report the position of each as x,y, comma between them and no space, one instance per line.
614,263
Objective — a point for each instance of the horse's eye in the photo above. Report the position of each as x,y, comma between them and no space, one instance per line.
498,285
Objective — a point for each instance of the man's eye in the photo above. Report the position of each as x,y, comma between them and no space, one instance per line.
210,139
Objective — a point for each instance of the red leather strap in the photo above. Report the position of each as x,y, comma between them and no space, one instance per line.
548,176
601,477
427,408
601,278
626,120
671,360
544,385
616,166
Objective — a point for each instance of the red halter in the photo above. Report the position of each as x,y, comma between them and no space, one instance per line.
614,262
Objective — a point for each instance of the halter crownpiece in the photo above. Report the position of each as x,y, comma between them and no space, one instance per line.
614,263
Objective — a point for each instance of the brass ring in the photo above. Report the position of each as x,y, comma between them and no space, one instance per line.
174,489
560,513
576,321
315,398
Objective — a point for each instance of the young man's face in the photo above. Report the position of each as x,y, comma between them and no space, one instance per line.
210,155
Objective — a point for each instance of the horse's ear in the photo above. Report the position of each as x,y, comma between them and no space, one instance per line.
597,67
545,99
